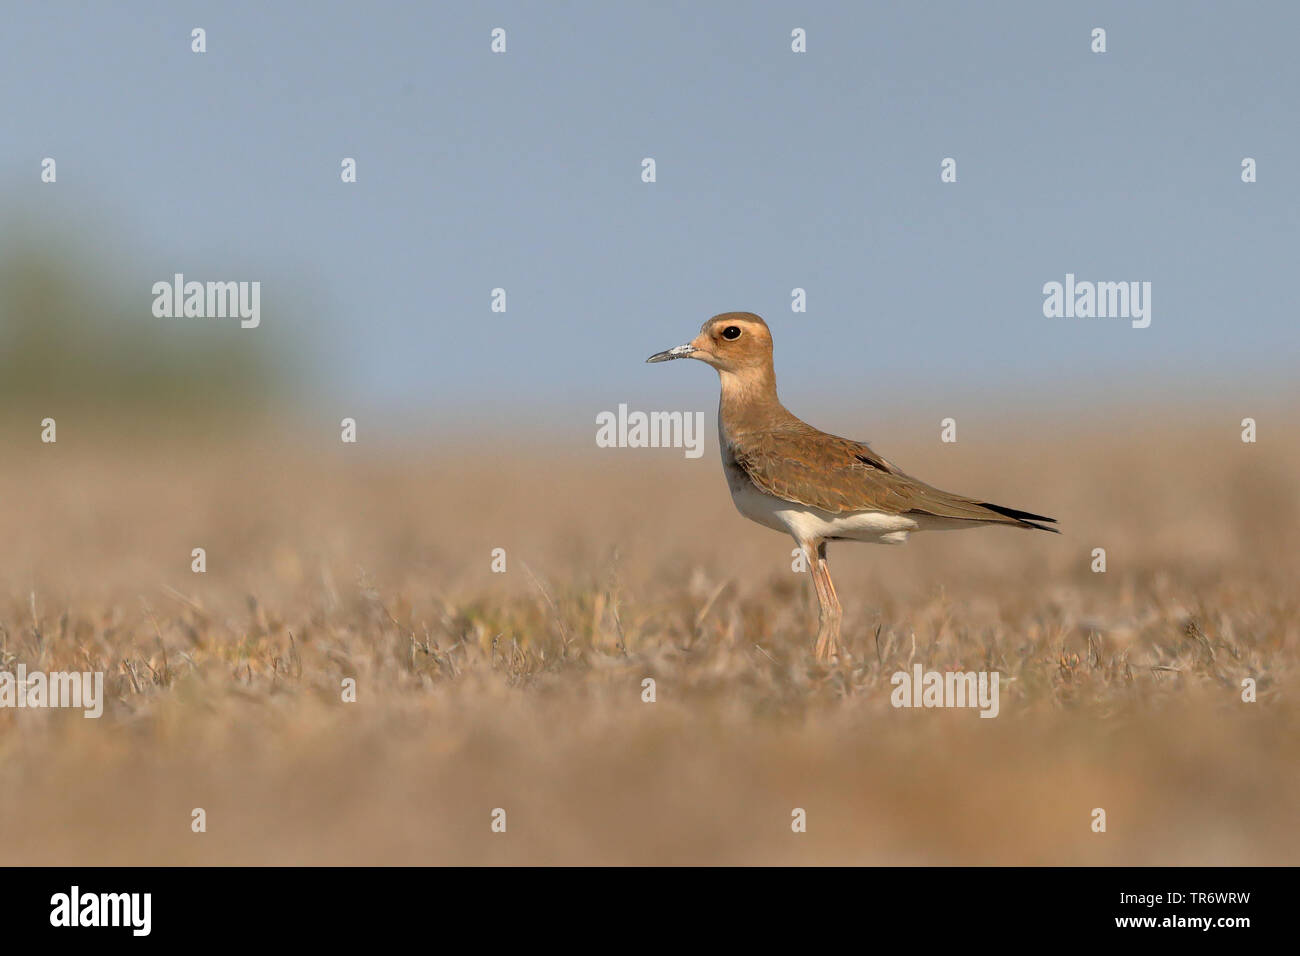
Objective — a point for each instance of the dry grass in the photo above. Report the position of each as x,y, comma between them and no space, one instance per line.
523,690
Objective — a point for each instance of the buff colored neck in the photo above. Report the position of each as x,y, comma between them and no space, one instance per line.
749,400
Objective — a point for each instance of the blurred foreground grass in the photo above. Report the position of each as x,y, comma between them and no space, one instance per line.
523,690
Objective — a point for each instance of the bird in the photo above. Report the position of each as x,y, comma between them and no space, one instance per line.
789,476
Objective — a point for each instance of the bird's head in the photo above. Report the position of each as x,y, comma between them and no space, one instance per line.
734,342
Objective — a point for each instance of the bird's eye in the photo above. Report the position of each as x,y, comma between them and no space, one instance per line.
731,332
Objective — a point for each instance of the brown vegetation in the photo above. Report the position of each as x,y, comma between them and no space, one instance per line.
523,690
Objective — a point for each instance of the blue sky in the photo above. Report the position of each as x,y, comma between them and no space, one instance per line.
775,170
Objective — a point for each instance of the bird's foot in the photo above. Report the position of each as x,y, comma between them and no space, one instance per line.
828,649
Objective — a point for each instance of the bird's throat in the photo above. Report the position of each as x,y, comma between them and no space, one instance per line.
748,398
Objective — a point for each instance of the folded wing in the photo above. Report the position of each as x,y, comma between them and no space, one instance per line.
798,463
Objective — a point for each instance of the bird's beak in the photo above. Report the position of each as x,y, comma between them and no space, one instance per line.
682,351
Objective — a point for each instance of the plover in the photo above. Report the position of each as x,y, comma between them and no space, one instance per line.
788,476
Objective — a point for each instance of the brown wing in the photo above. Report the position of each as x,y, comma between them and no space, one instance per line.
798,463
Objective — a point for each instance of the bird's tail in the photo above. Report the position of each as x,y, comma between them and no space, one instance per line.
1022,519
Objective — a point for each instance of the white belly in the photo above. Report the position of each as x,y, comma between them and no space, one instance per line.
807,524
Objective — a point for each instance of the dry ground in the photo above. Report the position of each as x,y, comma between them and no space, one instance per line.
523,690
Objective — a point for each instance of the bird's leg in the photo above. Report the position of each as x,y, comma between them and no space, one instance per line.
830,585
814,568
823,598
828,630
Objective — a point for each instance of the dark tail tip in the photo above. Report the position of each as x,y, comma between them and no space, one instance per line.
1027,519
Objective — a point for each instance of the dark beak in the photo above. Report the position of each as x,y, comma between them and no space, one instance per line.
682,351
